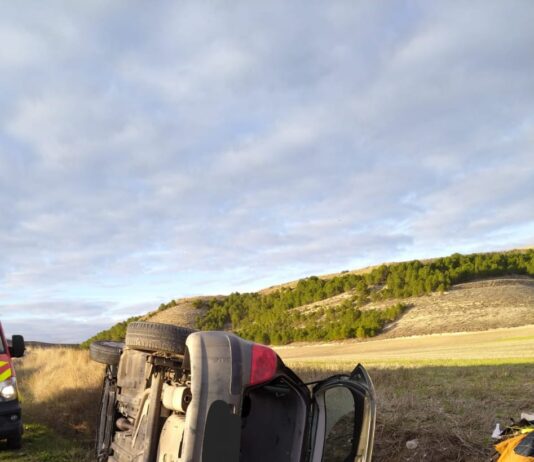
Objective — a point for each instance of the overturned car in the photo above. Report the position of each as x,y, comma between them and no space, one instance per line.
172,394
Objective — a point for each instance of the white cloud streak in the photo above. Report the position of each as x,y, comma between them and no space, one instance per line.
146,152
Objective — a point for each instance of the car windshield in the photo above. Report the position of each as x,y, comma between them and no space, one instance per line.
1,346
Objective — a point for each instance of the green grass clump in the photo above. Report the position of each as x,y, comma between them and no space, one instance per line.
41,444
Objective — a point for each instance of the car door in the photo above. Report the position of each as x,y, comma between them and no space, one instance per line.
343,418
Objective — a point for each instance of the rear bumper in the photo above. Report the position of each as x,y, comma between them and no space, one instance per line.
10,418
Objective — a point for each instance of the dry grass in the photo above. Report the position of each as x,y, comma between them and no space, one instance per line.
450,407
60,388
183,314
475,306
450,410
447,391
507,344
60,392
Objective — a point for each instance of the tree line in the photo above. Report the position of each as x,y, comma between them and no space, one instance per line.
268,317
115,333
271,318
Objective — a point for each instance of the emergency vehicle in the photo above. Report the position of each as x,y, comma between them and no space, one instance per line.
10,414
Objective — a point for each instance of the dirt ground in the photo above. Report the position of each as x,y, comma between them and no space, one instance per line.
504,344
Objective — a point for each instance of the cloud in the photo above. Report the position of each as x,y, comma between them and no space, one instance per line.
66,321
151,153
44,330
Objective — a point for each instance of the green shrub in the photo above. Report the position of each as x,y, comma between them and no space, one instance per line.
271,318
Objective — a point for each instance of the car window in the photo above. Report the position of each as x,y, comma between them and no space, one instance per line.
339,441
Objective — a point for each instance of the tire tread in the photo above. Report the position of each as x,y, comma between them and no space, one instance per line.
106,352
152,336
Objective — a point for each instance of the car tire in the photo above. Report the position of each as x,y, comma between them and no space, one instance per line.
15,441
106,416
153,336
106,352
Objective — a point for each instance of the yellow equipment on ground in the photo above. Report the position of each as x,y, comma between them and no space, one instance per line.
519,448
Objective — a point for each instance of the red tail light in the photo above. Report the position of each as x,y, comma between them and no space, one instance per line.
264,364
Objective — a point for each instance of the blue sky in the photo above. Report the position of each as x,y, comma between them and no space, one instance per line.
150,152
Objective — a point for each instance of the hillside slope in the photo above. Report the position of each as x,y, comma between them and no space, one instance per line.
472,306
184,312
418,297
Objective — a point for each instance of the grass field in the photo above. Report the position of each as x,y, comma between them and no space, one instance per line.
450,410
59,389
509,344
446,391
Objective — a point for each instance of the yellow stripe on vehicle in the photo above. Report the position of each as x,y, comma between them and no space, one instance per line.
3,363
5,375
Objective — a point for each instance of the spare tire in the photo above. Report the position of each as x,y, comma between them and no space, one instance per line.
106,352
153,336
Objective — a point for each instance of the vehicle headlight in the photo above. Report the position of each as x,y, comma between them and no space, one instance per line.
8,389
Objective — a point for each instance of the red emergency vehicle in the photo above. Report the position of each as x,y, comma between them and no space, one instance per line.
10,414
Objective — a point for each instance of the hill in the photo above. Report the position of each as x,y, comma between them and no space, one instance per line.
182,312
472,306
408,298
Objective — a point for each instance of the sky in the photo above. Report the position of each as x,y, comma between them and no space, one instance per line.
151,151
